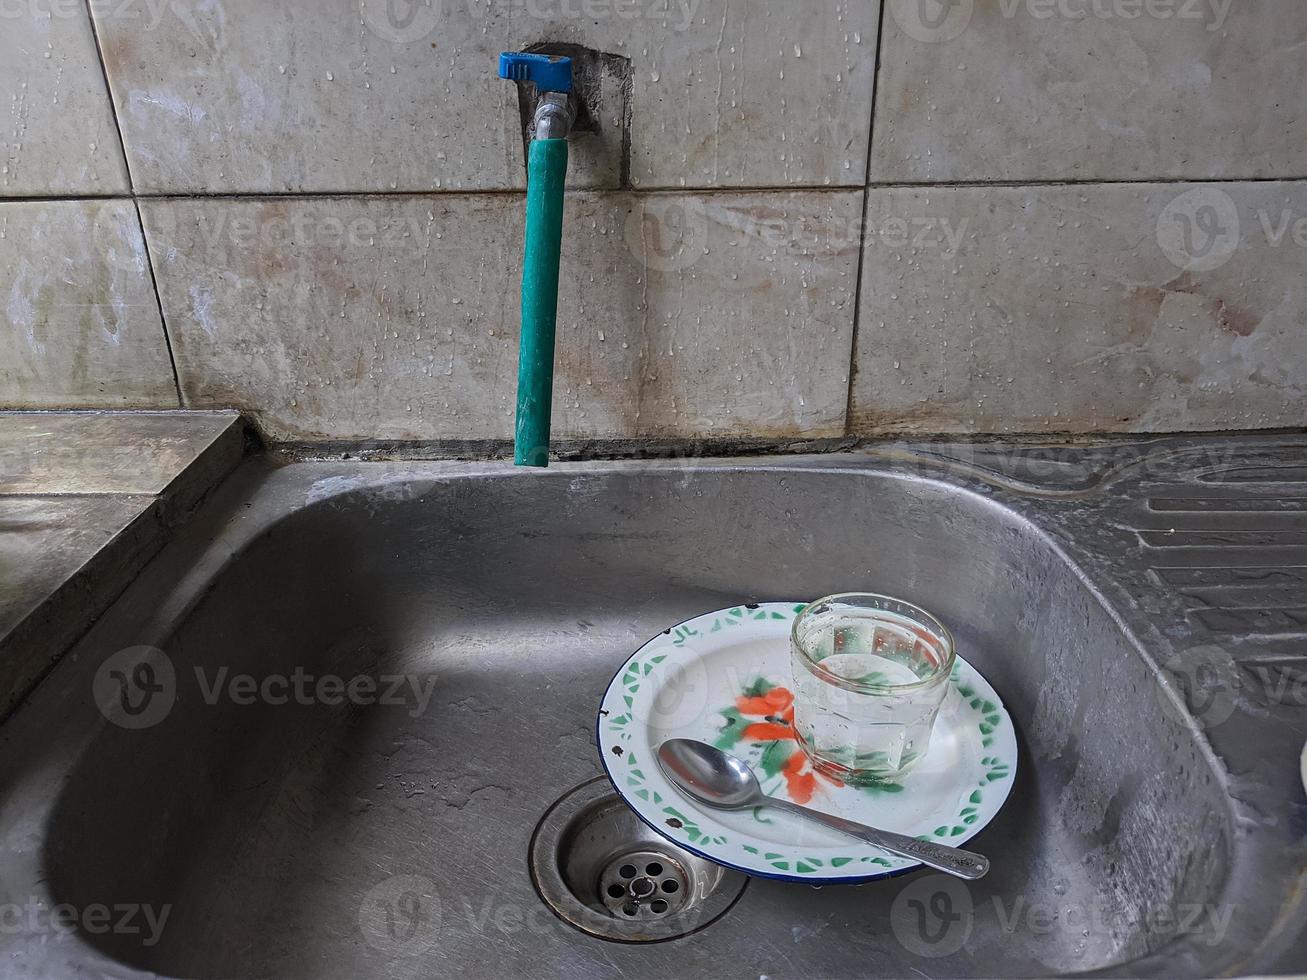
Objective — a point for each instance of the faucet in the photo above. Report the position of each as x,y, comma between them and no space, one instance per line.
546,171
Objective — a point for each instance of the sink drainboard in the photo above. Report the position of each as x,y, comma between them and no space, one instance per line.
600,869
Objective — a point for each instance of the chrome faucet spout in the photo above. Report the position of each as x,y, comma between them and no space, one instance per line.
554,116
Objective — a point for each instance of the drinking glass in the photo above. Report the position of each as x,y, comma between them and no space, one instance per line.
870,673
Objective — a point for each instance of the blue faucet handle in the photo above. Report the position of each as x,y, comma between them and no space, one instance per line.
550,74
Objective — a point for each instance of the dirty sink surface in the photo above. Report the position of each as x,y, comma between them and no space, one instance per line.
274,826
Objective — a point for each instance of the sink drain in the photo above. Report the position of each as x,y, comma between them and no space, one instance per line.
599,868
644,885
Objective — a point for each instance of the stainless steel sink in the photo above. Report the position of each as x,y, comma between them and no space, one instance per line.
383,830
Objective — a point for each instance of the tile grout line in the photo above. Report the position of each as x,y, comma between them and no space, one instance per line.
326,195
862,229
158,300
136,204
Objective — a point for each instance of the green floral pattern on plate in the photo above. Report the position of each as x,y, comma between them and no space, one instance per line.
626,746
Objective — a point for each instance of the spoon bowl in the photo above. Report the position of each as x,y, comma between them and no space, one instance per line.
709,775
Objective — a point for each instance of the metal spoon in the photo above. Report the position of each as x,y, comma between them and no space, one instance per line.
718,779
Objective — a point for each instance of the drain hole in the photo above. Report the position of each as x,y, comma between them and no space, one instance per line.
604,872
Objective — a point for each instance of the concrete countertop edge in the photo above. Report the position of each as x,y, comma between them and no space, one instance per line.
34,645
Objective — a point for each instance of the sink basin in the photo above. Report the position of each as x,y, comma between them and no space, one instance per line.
309,828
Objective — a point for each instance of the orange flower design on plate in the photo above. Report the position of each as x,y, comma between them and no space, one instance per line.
764,715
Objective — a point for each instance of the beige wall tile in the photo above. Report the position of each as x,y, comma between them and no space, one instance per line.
1110,307
749,94
244,95
57,133
1017,90
249,96
79,323
396,317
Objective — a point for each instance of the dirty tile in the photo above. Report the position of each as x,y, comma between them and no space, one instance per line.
297,96
57,134
745,94
1019,90
79,323
727,314
103,452
1118,307
397,317
247,96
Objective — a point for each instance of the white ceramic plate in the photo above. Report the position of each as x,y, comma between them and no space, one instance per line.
724,678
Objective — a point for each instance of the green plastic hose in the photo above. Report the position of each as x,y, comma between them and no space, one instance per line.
546,170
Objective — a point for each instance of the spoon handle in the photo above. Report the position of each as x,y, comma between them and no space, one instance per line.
941,857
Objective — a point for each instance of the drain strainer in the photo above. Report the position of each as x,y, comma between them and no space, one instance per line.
602,870
644,885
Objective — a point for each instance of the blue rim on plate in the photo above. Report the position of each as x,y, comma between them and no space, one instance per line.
724,678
